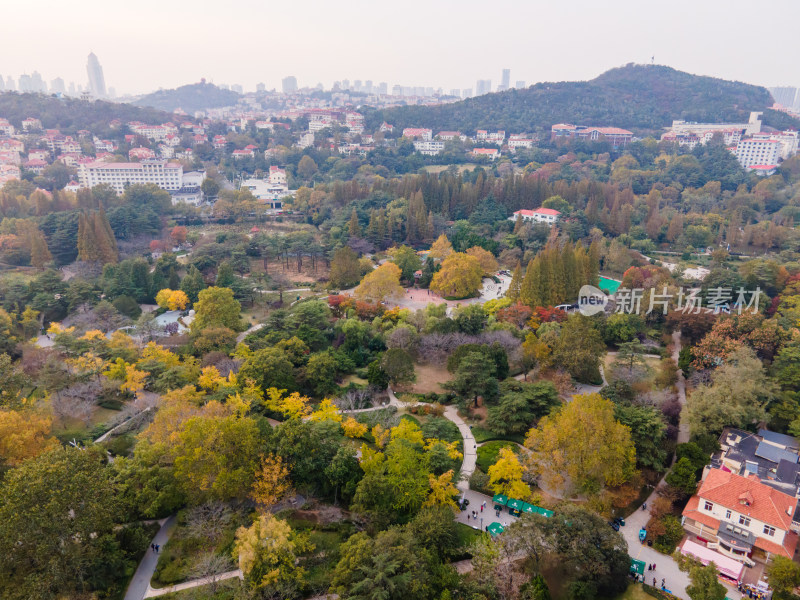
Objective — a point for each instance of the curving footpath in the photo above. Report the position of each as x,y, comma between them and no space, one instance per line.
140,583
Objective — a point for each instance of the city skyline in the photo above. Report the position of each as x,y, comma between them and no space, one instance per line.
429,59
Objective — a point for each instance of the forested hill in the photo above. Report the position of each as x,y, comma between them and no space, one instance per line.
643,98
71,114
196,96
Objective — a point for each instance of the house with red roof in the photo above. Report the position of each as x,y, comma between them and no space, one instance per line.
538,215
616,136
740,517
490,153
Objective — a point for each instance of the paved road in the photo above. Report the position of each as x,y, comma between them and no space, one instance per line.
140,584
187,585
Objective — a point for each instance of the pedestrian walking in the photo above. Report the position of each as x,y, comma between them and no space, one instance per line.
153,547
481,507
654,566
467,517
158,547
654,582
663,584
649,567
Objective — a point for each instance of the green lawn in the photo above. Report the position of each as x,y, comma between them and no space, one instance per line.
482,435
634,592
488,453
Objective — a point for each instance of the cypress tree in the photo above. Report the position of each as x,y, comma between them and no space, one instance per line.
515,287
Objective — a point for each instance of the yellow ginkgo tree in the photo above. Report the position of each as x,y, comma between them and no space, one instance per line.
505,476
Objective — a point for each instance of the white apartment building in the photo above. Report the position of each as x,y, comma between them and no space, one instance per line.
495,137
539,215
515,142
6,128
168,176
752,127
416,132
429,148
752,152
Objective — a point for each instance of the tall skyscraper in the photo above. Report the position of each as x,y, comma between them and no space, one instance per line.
466,93
57,86
289,84
10,84
483,86
97,83
506,80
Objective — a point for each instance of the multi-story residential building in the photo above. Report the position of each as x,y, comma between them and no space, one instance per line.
417,132
451,135
166,175
39,154
385,128
243,153
31,124
35,165
12,146
141,153
429,147
6,128
517,141
730,137
490,153
758,152
538,215
614,135
486,137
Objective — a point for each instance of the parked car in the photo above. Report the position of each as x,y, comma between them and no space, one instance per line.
614,525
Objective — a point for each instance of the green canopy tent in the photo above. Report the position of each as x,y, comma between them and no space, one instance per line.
499,501
514,506
536,510
495,528
637,566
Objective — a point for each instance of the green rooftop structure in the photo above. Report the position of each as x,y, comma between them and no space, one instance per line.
637,566
499,500
536,510
495,528
514,506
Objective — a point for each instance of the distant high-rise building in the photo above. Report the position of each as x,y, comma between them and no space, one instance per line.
784,95
10,84
520,84
72,90
2,84
37,83
237,88
357,85
368,86
483,86
466,93
289,84
97,82
25,83
397,90
345,84
455,92
260,87
383,88
505,82
57,86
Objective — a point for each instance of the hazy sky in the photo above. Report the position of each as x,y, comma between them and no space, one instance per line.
147,44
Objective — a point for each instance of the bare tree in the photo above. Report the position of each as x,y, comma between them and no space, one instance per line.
210,566
77,402
355,399
209,521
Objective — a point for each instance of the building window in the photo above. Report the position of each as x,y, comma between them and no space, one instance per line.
727,514
744,521
769,530
709,506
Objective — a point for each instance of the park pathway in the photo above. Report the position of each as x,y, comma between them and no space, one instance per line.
187,585
140,583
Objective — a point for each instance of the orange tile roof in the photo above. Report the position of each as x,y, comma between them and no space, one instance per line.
768,505
787,549
692,512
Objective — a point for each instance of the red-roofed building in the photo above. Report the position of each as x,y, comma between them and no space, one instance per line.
36,165
490,153
415,132
539,215
742,518
244,153
614,135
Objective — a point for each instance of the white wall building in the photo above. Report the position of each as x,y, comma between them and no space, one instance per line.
429,148
752,152
168,176
539,215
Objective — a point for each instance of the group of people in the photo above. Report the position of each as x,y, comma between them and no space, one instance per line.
474,513
155,547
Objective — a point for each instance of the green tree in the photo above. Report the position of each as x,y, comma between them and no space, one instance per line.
320,373
739,392
345,268
306,168
475,378
398,365
783,575
224,275
407,260
705,583
193,283
520,404
683,476
268,367
579,348
57,515
648,432
216,306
